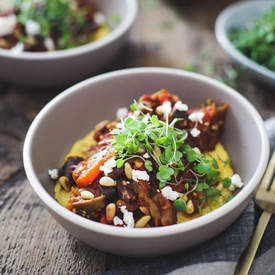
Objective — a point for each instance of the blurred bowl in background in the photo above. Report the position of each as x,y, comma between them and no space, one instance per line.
240,15
63,67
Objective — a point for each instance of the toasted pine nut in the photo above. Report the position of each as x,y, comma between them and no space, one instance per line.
101,125
157,150
197,150
142,221
215,127
107,181
159,110
219,186
110,212
138,163
141,150
144,210
87,195
128,170
207,123
189,207
185,198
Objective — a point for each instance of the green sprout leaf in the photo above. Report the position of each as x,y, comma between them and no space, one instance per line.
180,205
119,163
148,165
226,182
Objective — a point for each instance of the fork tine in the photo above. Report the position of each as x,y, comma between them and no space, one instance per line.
269,174
272,184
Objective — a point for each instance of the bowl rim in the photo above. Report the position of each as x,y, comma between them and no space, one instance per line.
123,27
70,217
225,43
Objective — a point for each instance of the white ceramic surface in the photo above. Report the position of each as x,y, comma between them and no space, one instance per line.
240,15
73,113
68,66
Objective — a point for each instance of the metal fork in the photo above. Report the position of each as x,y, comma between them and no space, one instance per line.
265,198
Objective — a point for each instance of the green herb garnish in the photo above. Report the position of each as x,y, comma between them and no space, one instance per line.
258,41
180,205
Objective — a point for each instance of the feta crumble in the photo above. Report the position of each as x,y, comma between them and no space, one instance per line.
117,221
195,132
146,156
181,106
166,108
53,173
99,18
7,24
127,217
121,112
18,48
32,28
169,194
108,166
49,44
196,117
140,175
236,182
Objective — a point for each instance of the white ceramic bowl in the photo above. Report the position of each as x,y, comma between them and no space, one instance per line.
68,66
73,113
241,15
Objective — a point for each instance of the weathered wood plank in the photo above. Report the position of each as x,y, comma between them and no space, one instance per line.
33,243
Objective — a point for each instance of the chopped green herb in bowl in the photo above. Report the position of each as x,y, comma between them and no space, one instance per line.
257,41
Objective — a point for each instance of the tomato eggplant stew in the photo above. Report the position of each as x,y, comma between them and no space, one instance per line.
160,163
50,25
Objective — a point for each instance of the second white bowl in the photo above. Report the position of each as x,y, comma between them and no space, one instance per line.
241,15
68,66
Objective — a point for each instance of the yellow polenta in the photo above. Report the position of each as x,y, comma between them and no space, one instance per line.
219,153
223,160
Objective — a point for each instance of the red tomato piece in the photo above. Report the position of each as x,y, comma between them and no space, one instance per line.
87,171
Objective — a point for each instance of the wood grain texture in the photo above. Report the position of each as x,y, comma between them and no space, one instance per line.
171,33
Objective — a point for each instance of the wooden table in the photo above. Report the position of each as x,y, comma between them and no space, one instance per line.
168,33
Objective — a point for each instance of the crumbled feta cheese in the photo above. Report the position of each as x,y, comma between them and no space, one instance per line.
32,28
195,132
53,173
146,156
169,194
196,117
236,182
18,48
49,44
7,24
108,166
166,108
140,175
99,18
181,106
127,217
121,112
117,221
